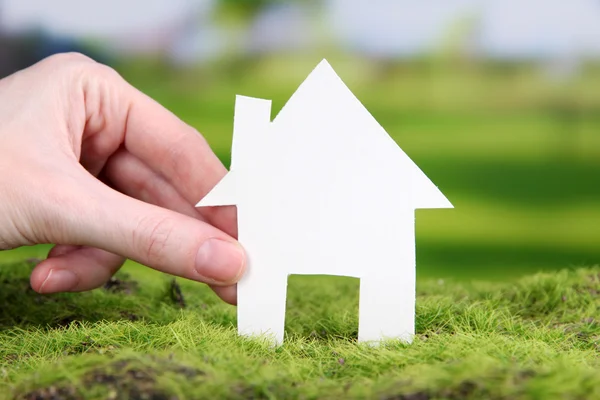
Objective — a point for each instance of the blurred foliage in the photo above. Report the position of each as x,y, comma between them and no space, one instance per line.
515,152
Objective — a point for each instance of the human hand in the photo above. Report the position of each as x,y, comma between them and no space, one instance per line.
96,167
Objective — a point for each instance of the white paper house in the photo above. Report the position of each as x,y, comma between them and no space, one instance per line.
323,189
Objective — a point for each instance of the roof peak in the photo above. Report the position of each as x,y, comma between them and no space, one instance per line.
321,82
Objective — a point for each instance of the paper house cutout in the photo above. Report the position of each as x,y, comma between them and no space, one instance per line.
323,189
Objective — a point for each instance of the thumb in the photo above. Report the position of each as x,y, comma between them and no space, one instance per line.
153,236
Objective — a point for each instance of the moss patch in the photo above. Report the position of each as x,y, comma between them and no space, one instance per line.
534,338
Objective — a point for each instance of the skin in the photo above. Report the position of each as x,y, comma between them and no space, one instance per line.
105,173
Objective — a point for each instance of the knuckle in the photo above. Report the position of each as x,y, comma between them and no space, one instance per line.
81,68
69,60
153,237
101,73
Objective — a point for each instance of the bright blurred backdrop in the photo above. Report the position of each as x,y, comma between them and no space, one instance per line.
498,101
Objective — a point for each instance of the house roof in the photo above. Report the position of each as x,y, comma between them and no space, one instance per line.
323,142
324,97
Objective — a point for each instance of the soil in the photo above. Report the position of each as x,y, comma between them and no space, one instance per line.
121,380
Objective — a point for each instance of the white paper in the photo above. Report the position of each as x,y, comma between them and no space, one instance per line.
323,189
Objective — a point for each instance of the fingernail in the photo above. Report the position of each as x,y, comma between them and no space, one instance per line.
59,280
220,261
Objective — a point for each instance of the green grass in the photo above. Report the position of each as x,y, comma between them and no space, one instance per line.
537,337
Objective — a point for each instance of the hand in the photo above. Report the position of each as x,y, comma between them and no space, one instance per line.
89,163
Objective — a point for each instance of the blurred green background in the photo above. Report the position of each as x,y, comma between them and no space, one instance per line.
513,140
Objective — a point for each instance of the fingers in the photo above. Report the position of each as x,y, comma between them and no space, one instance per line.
159,238
133,178
74,269
77,268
